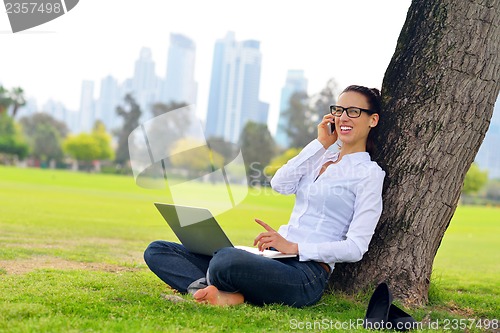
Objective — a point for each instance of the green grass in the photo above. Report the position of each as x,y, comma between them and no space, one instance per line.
71,260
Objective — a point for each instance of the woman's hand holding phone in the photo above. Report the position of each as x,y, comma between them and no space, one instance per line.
326,131
331,128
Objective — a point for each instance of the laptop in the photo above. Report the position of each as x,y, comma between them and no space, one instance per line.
199,231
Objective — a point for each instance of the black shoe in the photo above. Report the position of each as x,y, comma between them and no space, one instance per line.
378,309
400,320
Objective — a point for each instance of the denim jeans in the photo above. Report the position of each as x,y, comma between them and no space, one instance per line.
261,280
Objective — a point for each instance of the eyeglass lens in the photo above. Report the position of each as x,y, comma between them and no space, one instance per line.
351,112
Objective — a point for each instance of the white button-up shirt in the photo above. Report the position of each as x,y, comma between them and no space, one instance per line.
335,214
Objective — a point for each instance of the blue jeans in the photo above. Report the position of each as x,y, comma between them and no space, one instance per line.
260,280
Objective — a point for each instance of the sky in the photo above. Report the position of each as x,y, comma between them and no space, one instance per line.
349,40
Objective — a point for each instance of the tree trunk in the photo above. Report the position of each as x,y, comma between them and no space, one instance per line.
438,96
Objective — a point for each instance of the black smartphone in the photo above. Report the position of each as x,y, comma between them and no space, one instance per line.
331,127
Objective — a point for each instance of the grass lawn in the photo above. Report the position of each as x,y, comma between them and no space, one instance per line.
71,260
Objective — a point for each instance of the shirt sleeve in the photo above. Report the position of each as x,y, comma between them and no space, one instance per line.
287,178
367,211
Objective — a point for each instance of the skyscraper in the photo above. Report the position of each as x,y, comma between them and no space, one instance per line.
87,116
109,98
144,71
295,82
144,82
58,111
234,88
179,84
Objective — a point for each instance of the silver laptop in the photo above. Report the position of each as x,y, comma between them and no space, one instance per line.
200,233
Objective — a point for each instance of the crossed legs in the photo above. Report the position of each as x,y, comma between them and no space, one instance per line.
235,276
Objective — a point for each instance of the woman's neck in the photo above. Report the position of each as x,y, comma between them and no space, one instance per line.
346,150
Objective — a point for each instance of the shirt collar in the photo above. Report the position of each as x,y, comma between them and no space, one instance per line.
352,159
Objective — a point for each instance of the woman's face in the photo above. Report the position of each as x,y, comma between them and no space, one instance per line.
353,132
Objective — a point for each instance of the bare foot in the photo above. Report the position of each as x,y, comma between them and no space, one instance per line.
214,296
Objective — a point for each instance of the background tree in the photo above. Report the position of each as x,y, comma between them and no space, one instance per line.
170,129
280,160
195,162
83,148
227,150
5,100
438,97
103,139
475,179
493,191
92,148
320,102
30,124
130,117
12,141
14,97
45,135
17,99
304,113
162,108
300,123
46,144
257,147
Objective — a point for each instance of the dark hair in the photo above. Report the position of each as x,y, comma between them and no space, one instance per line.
375,102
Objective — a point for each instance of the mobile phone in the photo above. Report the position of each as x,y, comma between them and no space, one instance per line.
331,128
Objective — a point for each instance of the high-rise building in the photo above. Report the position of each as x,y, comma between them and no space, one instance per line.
109,99
59,112
488,157
87,115
179,85
144,82
234,88
144,71
295,82
55,109
263,114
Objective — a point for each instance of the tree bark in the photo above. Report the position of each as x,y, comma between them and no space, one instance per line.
438,96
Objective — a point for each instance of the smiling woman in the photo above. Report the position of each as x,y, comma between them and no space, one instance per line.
356,118
338,204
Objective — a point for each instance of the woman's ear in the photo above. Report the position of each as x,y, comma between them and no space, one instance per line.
374,119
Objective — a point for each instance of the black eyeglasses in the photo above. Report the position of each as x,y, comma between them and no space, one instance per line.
352,112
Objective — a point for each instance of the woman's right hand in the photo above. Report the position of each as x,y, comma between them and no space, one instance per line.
324,135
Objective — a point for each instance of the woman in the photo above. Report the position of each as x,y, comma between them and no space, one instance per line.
337,207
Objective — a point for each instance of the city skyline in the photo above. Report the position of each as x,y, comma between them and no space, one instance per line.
487,157
51,61
178,85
